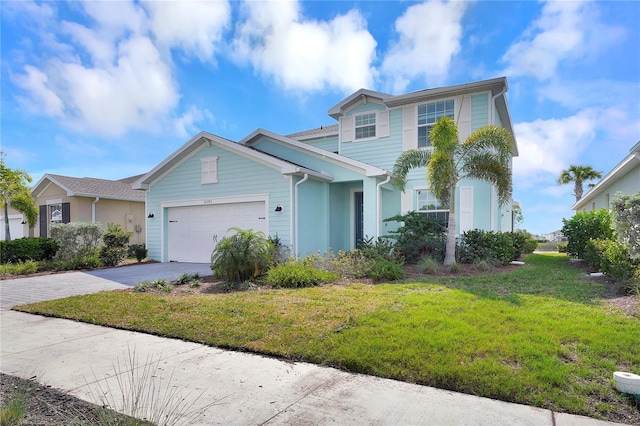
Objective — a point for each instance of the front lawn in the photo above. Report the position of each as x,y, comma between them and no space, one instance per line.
539,335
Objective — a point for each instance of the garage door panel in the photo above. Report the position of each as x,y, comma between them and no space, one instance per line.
195,231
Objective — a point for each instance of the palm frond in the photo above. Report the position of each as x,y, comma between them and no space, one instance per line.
407,161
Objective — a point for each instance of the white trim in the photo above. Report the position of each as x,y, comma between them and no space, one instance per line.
352,215
297,208
375,126
216,200
464,207
54,201
210,162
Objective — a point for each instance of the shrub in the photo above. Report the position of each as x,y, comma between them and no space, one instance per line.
146,286
382,247
20,268
483,265
76,239
494,247
530,245
241,256
428,265
454,268
139,251
581,227
23,249
418,236
349,264
384,269
281,253
626,220
297,274
593,252
115,241
616,261
192,279
562,247
87,261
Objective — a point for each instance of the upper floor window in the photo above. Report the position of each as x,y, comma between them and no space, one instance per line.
365,126
209,170
428,114
431,207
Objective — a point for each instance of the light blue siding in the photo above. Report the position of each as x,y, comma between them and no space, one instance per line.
479,111
237,175
328,143
313,215
380,152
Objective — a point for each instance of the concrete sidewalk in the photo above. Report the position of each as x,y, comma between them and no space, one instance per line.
246,389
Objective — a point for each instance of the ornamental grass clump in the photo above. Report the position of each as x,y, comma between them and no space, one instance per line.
297,274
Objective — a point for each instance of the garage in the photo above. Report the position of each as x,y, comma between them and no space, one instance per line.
194,231
16,228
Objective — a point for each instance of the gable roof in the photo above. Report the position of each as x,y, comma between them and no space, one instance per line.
341,160
90,187
629,162
185,151
363,94
330,130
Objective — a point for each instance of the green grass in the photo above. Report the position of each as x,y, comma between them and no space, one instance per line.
539,335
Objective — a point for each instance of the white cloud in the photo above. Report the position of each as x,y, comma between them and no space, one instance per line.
185,124
430,36
194,26
566,31
546,147
42,97
303,54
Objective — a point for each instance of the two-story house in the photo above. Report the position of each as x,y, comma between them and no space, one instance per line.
324,188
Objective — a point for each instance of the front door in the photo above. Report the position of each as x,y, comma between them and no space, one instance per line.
358,220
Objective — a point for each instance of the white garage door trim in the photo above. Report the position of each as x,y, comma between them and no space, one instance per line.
260,204
16,228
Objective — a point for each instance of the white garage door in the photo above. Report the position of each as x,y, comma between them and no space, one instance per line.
16,229
195,231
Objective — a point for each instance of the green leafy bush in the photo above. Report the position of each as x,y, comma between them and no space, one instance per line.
381,248
617,263
23,249
593,252
494,247
582,226
626,220
76,239
386,270
281,253
241,256
115,241
297,274
418,236
193,280
562,247
530,245
139,251
146,286
87,261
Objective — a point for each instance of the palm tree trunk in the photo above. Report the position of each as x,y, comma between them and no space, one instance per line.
450,251
7,231
577,189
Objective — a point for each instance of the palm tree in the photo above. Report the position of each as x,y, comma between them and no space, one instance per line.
15,192
484,155
578,175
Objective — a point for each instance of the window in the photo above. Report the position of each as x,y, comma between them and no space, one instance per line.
365,125
209,170
55,213
431,207
428,114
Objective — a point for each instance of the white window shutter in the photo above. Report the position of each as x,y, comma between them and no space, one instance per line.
383,124
466,209
409,131
346,129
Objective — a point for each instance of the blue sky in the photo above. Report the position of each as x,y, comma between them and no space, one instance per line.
108,89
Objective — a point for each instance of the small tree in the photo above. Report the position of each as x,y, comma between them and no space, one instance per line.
578,175
582,226
626,220
241,256
15,192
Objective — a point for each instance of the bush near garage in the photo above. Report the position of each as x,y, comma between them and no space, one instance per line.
115,241
24,249
76,239
245,254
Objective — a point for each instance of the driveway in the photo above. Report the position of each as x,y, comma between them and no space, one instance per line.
19,291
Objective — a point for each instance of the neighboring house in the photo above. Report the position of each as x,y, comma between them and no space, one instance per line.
625,178
320,189
64,199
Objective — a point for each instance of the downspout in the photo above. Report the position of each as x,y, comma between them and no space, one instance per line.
304,179
379,204
493,100
492,213
93,210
